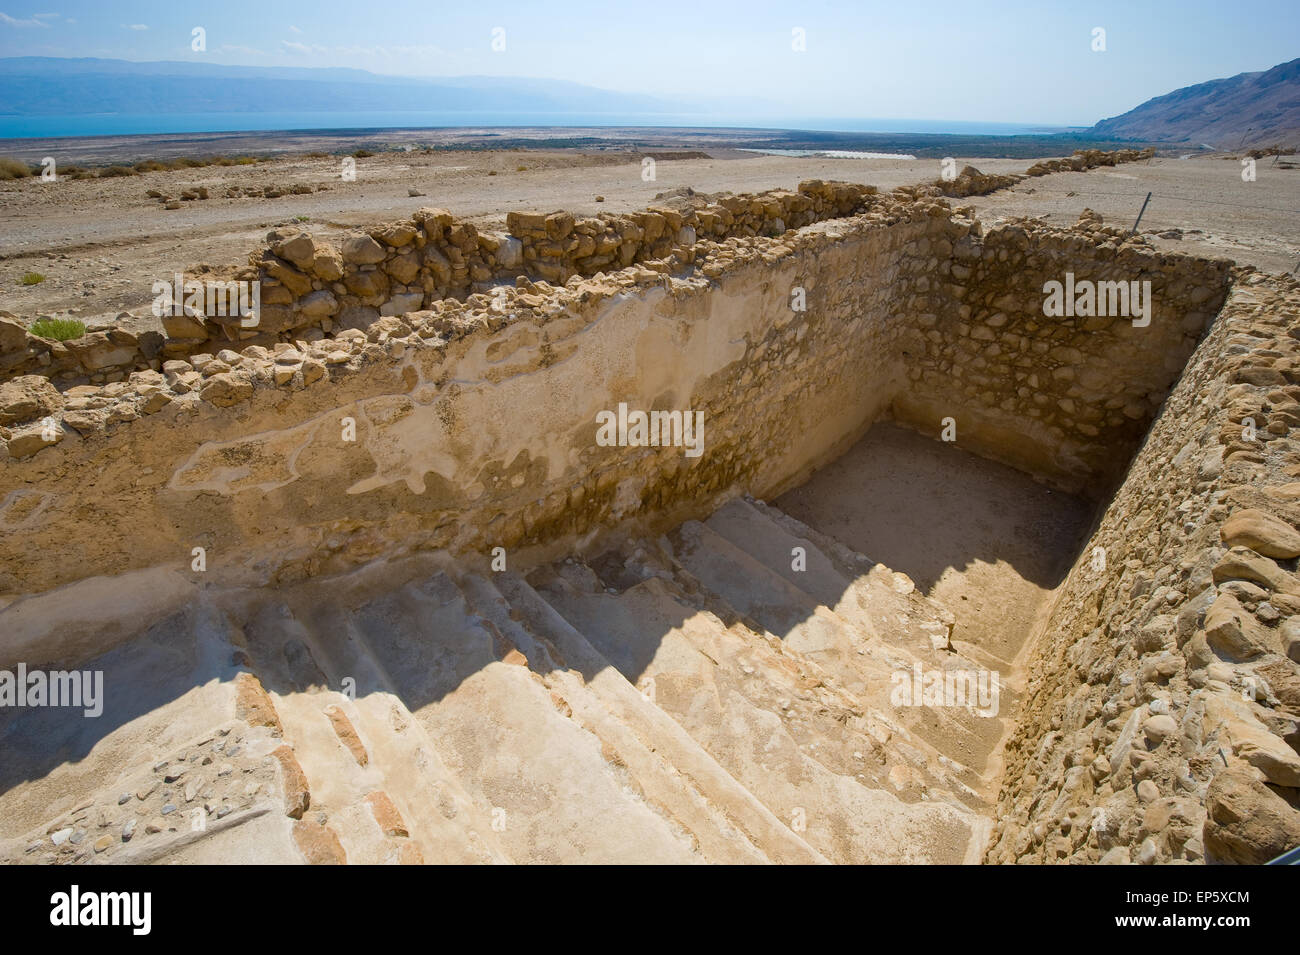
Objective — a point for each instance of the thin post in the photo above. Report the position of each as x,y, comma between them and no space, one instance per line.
1133,231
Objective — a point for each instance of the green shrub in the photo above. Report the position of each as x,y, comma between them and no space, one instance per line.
60,329
32,278
363,154
113,172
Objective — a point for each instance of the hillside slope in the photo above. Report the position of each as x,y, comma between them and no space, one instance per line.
1247,109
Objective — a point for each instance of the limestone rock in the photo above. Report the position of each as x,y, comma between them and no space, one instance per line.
327,264
402,304
297,246
99,350
227,388
1158,728
362,250
1262,533
397,234
1242,563
27,441
386,814
319,844
1291,638
1246,822
253,704
297,794
1233,630
13,336
26,398
347,734
184,327
318,305
1250,741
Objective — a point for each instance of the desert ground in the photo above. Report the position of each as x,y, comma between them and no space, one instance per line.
100,243
1200,206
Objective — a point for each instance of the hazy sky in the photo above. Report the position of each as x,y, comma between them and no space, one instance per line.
1029,62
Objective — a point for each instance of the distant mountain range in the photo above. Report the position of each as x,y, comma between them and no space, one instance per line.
1249,109
54,86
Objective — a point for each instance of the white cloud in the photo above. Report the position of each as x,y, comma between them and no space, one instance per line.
293,29
138,26
295,47
247,50
11,21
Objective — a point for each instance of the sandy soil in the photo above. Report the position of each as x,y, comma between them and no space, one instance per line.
985,540
101,243
1255,223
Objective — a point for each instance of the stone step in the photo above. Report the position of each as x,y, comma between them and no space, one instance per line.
905,616
671,769
806,761
870,601
873,667
543,780
877,585
315,644
372,785
863,666
168,704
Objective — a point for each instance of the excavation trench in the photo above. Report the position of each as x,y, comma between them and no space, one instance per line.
473,606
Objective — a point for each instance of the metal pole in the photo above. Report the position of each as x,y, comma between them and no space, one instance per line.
1140,211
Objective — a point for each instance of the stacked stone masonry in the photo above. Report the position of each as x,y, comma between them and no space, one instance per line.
1163,717
309,285
318,287
459,445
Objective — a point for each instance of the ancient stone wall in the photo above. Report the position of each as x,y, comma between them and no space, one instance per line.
1084,159
463,427
318,287
475,421
1067,397
1162,718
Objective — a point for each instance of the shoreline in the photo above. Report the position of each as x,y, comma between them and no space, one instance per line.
133,147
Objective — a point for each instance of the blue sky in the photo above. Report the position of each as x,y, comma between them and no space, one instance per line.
942,59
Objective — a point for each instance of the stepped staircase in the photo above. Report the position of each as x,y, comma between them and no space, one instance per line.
721,694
